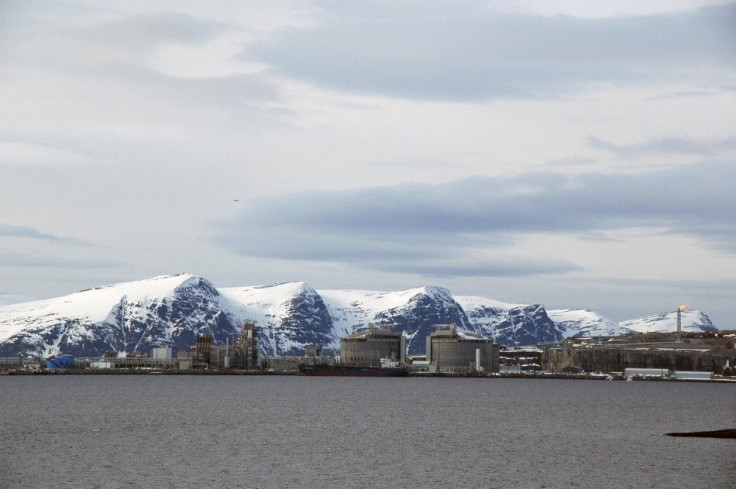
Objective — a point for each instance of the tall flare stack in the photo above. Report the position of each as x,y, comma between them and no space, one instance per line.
680,308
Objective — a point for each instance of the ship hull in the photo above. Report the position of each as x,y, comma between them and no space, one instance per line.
351,371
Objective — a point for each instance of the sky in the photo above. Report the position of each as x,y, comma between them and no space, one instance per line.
578,154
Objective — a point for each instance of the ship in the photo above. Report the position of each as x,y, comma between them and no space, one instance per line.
388,368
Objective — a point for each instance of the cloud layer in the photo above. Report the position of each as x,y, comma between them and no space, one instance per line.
469,139
32,233
424,228
470,53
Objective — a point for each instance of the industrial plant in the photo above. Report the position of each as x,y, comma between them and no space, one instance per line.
673,353
381,350
241,355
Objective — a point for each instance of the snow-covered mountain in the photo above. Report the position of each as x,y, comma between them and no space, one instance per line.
584,323
174,310
692,321
413,311
165,310
587,323
511,324
288,316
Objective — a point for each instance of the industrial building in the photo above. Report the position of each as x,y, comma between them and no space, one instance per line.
369,346
691,352
520,359
242,354
162,353
200,352
454,351
61,362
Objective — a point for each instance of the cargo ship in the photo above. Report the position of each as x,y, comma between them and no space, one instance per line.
388,368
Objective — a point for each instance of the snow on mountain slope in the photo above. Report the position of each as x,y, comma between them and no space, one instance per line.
352,310
510,324
92,305
692,321
174,310
472,302
164,310
288,316
413,311
584,323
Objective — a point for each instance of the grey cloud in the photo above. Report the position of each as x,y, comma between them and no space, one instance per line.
110,60
709,287
666,146
423,227
470,53
412,164
33,261
146,30
492,268
572,161
32,233
124,102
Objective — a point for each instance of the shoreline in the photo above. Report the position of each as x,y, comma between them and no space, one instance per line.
197,372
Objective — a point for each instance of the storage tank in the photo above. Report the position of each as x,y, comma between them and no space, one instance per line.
453,350
368,347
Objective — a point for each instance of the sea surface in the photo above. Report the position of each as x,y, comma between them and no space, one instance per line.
73,431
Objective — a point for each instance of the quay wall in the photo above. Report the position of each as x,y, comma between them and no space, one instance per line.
603,359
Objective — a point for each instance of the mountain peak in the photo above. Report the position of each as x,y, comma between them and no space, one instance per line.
436,291
271,293
473,302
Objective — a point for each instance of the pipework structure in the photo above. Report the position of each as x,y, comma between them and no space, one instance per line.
246,347
242,354
201,351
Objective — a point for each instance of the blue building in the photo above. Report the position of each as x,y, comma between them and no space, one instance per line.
62,361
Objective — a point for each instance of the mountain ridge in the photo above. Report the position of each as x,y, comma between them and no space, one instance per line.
172,310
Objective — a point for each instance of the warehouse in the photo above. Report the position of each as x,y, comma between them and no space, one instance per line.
455,351
369,346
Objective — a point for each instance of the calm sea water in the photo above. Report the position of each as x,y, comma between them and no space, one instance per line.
270,432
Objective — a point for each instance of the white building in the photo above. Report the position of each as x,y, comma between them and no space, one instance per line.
162,353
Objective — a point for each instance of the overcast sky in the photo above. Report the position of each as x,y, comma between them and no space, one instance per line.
577,154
